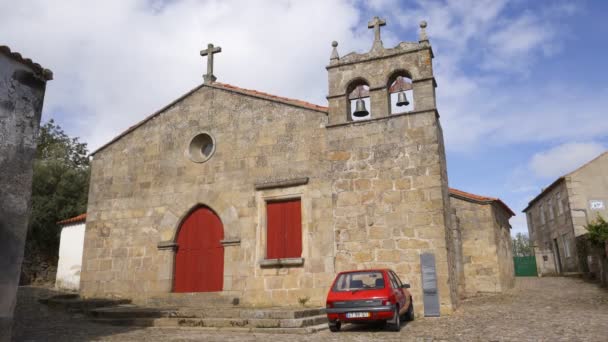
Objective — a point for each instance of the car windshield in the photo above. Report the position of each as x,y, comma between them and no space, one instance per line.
353,281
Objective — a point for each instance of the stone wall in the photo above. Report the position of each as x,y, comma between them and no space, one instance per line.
22,88
504,247
388,198
486,247
588,183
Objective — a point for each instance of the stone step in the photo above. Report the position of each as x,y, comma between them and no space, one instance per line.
132,311
168,323
73,303
194,300
246,312
259,323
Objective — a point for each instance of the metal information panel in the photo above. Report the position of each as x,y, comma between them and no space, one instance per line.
429,285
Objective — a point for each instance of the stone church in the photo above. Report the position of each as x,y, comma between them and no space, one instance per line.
263,199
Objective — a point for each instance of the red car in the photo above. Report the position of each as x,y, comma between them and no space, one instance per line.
368,296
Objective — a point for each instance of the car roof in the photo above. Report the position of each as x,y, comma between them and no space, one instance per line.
368,270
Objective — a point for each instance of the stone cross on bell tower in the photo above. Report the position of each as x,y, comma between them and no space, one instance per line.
376,23
209,52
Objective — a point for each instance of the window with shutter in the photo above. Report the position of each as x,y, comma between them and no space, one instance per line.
284,229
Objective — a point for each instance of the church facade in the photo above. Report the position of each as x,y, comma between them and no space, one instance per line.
263,199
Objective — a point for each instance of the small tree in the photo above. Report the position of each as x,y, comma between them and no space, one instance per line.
598,231
522,246
60,186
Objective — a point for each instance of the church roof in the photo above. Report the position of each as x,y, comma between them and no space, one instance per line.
480,199
75,219
226,87
37,68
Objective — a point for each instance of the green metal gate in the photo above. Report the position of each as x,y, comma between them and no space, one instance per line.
525,266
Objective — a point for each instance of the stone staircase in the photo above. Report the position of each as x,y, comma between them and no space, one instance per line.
197,314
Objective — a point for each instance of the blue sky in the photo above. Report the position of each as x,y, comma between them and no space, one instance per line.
522,90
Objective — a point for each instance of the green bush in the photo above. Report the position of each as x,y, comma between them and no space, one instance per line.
598,231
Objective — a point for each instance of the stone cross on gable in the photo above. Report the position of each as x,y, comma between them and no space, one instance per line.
376,23
209,52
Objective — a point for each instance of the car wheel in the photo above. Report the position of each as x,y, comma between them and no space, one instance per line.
409,315
334,326
395,323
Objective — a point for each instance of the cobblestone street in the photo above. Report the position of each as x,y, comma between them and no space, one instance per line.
537,309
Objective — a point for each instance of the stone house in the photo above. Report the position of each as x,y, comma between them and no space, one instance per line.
558,215
71,243
22,89
483,223
263,199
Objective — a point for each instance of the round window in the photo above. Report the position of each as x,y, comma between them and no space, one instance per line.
201,148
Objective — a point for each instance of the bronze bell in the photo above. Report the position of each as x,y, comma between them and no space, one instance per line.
360,110
402,99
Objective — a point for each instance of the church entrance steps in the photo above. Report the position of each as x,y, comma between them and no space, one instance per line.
215,316
206,316
259,324
196,300
73,303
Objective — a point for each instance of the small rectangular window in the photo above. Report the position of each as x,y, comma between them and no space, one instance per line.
560,204
284,229
542,214
550,207
566,243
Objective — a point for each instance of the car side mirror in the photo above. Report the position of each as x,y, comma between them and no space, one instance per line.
405,286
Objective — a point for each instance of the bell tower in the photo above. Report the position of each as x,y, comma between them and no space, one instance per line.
371,78
388,168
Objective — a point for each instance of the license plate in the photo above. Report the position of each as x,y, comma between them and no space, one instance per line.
357,314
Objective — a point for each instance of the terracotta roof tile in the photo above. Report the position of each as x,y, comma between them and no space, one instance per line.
287,100
478,198
46,73
75,219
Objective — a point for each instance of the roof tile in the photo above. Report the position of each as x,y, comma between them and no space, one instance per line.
479,198
75,219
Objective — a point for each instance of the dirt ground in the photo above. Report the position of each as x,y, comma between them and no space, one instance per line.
537,309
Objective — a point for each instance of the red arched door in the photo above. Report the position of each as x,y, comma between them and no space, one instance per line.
199,261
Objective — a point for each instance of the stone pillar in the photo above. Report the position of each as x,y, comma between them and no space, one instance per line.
22,88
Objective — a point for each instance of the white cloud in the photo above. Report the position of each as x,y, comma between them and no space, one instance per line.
485,52
117,61
564,158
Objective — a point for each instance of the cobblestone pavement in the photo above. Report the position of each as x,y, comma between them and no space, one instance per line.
537,309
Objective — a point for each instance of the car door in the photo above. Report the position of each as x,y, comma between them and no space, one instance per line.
397,290
406,298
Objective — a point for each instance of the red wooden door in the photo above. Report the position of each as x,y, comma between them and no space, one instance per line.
199,261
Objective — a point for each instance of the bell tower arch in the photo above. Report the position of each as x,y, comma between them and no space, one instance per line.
379,68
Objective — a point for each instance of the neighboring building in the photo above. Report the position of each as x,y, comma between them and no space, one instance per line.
22,88
265,198
70,252
485,233
558,215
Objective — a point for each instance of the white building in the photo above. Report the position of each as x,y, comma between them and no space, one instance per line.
70,252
